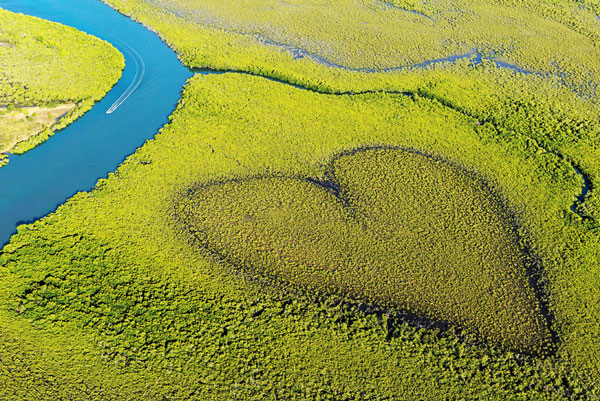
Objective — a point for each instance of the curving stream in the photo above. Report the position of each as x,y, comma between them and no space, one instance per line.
37,182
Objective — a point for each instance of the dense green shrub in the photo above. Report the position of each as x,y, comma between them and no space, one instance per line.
32,76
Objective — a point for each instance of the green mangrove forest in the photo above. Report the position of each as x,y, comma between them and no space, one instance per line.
353,200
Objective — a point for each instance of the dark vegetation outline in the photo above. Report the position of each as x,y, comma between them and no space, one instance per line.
391,318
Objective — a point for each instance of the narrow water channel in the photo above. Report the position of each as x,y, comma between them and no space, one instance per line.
35,183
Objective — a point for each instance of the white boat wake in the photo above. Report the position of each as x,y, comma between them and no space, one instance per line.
139,75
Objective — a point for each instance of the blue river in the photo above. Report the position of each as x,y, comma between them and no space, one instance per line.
37,182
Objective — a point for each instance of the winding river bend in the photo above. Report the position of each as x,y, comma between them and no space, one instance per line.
36,183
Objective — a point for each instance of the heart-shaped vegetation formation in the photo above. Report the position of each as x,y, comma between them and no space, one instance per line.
394,228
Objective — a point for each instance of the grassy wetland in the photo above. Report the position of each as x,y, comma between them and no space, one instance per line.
51,74
343,230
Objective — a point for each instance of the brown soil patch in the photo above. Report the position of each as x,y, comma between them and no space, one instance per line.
23,123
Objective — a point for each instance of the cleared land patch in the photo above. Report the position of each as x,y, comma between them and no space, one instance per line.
21,124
